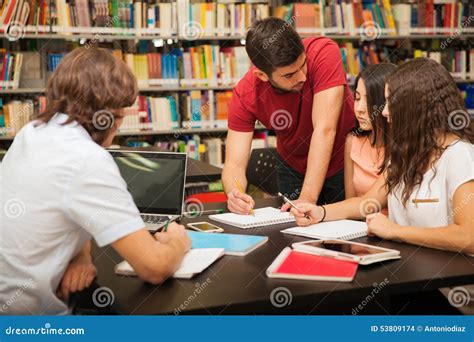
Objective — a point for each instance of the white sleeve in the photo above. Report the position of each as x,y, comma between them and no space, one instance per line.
99,202
460,167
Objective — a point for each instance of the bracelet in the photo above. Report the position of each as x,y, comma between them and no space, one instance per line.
324,215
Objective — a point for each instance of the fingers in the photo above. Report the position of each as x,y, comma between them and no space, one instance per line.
65,285
285,207
303,221
239,203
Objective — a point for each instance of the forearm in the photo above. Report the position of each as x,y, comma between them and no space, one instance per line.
228,174
349,209
453,237
319,157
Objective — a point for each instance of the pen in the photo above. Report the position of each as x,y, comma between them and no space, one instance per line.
287,200
237,183
204,212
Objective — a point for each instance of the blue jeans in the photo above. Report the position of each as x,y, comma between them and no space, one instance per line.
290,183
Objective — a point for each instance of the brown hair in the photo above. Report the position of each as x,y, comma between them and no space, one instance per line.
91,86
424,104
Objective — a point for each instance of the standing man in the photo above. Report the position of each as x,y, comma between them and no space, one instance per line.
298,89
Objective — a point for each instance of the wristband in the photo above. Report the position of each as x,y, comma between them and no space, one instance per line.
324,215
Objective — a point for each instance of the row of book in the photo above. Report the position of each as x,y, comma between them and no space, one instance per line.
79,16
199,65
459,61
197,19
191,19
377,17
194,109
343,17
10,69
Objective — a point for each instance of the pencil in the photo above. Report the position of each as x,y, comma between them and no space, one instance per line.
239,187
166,226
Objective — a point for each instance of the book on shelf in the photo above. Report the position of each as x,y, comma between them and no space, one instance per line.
91,16
459,60
15,114
151,113
197,19
32,74
10,69
340,17
434,17
213,65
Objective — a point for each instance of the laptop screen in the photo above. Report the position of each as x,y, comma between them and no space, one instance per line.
155,179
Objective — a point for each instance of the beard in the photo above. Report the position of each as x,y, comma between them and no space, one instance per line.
281,90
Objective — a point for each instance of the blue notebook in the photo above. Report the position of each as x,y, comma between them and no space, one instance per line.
234,244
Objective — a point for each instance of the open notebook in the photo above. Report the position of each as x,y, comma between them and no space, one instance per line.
194,262
341,229
262,217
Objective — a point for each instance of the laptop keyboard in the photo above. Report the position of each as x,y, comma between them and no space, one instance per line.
154,219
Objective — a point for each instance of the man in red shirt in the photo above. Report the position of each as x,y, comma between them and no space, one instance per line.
298,89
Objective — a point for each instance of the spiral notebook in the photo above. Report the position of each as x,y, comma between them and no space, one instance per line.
261,217
341,229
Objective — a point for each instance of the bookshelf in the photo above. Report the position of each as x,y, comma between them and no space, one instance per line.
173,27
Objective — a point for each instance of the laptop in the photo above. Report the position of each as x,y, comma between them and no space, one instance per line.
156,181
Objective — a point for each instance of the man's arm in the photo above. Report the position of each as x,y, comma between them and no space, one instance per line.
327,106
237,155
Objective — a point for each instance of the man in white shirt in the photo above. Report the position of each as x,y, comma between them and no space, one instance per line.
60,188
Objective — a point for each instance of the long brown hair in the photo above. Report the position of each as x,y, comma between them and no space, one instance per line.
424,104
91,86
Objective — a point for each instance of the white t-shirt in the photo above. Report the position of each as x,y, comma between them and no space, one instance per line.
454,168
58,189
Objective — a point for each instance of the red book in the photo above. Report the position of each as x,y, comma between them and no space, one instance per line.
9,13
292,264
447,15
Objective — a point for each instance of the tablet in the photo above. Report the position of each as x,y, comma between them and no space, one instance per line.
362,253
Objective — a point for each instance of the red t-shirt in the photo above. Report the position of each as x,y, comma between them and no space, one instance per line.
290,114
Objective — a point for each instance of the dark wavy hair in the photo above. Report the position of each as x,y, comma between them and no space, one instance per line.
91,86
424,104
374,77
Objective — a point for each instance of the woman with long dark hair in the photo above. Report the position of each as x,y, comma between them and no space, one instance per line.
365,145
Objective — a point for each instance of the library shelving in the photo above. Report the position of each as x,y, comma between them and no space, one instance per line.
176,30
